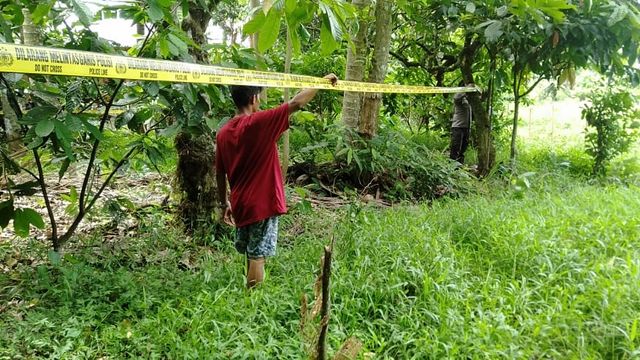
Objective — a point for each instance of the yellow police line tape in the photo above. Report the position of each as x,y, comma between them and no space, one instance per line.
50,61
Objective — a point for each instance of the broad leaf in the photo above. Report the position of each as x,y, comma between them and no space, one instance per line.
41,11
493,32
22,220
155,11
176,45
44,127
63,168
82,11
270,31
327,40
38,113
6,213
471,7
255,24
65,137
331,21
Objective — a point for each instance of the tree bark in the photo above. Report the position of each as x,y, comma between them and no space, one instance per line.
356,60
253,39
372,101
486,150
30,36
287,96
514,131
11,127
196,176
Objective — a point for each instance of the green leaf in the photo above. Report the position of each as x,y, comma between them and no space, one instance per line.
295,40
155,11
54,257
180,47
331,21
163,47
6,213
255,24
33,218
41,11
290,6
63,168
65,137
95,132
618,14
82,11
23,218
268,34
327,40
44,127
7,31
38,113
493,32
471,7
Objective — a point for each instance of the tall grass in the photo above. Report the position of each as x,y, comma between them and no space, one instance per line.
551,273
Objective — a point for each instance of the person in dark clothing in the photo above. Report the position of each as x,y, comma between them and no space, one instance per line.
460,124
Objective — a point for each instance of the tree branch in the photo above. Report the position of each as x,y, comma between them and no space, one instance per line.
124,159
43,187
532,86
82,210
406,62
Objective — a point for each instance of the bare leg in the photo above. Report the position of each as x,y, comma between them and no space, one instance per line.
255,272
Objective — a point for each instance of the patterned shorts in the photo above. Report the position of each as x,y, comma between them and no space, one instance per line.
259,239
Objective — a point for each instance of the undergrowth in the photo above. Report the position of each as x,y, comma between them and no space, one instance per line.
551,272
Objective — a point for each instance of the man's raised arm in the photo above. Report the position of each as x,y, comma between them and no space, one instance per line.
305,96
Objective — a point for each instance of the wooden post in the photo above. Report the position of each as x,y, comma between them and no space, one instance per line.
324,311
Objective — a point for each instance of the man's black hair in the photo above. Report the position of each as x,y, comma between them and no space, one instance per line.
242,95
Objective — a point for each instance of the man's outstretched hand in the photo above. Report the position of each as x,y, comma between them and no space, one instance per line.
333,78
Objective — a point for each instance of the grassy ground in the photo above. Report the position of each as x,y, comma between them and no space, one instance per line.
552,272
546,266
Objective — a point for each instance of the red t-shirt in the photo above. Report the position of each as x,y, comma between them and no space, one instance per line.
246,151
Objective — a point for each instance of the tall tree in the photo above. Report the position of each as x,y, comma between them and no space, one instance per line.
356,63
196,151
371,101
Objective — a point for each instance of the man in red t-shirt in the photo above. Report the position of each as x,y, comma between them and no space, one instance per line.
247,155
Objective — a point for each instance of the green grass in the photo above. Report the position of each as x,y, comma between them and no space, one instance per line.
551,273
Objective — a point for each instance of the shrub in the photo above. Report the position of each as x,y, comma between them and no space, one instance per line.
392,165
612,124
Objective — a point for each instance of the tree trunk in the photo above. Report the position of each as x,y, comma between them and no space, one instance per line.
30,34
372,101
514,131
287,96
11,127
253,39
31,37
356,60
486,150
196,154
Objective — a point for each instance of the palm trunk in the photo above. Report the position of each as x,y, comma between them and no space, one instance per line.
372,101
356,60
